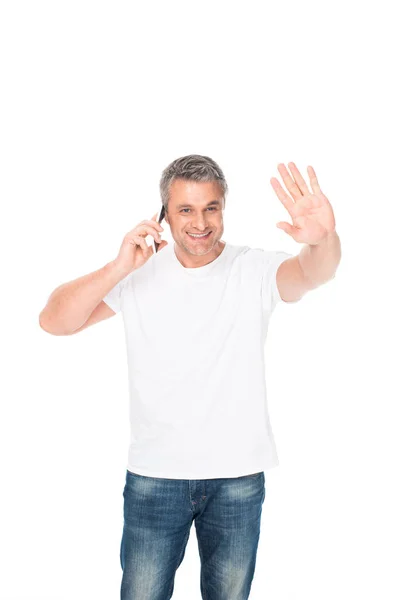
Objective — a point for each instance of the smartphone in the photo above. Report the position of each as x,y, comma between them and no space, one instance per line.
160,217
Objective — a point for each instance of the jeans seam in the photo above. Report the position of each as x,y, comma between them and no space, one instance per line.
179,561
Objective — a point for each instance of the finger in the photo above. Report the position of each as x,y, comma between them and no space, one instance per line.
154,218
291,186
313,181
299,179
154,224
162,245
286,227
282,195
140,241
148,230
151,231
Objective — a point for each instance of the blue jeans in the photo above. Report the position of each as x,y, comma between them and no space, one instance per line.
158,515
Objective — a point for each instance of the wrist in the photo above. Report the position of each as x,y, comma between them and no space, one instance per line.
114,267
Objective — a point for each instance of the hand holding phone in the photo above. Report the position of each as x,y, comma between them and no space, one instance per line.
134,251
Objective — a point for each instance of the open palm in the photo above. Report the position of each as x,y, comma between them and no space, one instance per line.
311,212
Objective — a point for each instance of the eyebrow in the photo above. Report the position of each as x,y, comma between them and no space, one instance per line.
212,203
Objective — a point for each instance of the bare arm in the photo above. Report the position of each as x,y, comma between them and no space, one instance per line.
73,304
79,303
101,312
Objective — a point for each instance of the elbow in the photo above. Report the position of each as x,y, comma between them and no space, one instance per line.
44,324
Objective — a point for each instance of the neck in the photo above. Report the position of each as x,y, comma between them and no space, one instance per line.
190,261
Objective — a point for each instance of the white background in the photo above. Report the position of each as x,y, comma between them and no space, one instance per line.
97,98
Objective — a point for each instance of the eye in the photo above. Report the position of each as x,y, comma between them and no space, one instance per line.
209,208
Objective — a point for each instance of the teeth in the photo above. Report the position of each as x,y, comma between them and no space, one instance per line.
198,235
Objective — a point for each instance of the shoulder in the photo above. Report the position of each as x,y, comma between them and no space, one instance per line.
260,257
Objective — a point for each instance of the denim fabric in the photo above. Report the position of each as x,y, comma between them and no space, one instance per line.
158,515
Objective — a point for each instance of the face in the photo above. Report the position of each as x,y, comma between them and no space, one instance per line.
197,208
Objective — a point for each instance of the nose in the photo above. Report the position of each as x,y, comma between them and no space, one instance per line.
199,223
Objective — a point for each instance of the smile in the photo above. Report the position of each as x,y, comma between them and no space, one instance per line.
199,235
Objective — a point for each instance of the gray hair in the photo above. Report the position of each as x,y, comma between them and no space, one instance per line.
193,167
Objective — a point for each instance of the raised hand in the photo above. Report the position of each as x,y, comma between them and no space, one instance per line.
311,212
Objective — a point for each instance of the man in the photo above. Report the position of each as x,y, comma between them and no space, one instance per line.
196,314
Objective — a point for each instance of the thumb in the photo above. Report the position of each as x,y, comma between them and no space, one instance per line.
162,245
286,227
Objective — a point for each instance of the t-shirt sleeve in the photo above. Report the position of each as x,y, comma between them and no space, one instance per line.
269,288
114,296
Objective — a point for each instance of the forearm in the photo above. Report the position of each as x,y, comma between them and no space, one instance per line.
70,305
319,262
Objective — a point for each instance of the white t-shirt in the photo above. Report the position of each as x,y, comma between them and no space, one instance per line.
195,347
